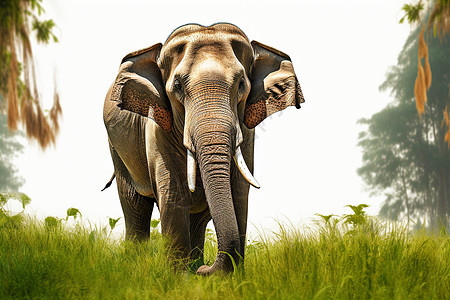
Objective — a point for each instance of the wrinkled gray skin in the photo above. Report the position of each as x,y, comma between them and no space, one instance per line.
204,91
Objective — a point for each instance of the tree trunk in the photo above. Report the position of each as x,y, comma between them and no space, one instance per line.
442,218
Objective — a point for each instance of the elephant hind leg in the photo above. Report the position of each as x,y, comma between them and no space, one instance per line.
137,210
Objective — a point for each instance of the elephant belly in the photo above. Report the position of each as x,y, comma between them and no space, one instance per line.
137,170
144,189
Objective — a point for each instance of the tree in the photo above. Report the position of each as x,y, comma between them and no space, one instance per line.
439,22
9,181
20,97
405,157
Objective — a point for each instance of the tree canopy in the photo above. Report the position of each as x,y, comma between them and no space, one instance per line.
406,157
20,95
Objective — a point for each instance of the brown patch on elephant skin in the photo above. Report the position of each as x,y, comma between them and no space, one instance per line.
161,116
139,102
278,97
255,113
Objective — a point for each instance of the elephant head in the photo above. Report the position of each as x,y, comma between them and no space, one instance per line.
208,86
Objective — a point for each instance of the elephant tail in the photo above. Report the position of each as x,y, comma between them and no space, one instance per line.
108,184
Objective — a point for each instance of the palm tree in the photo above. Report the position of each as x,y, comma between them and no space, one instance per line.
18,18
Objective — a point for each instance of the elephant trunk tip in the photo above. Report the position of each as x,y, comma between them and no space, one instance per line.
204,270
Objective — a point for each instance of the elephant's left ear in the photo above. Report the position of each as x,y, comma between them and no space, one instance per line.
274,85
139,87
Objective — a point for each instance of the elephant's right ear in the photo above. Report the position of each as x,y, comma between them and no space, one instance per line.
139,87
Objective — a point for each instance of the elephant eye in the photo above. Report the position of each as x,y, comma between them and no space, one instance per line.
177,87
242,84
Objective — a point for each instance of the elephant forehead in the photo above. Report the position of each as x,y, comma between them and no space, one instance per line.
219,36
200,40
191,30
196,41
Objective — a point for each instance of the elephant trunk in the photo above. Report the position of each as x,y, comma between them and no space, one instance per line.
214,162
214,140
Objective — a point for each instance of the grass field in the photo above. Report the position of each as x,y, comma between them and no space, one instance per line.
349,257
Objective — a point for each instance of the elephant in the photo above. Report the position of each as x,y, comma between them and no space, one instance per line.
180,119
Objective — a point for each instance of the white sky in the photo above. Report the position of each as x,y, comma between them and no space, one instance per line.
305,160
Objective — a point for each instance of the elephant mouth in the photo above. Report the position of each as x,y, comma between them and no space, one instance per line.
238,159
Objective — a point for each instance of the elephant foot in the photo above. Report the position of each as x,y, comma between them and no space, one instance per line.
205,270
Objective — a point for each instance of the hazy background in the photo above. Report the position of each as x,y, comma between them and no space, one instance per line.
305,160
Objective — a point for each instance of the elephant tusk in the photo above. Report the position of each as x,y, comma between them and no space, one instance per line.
242,166
191,169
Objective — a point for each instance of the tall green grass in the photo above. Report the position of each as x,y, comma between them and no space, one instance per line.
340,258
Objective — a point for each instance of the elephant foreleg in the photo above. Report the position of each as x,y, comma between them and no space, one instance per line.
240,202
198,223
175,225
241,217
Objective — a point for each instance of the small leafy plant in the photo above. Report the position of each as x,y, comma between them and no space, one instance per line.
73,212
113,222
359,217
154,224
21,197
7,218
52,222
